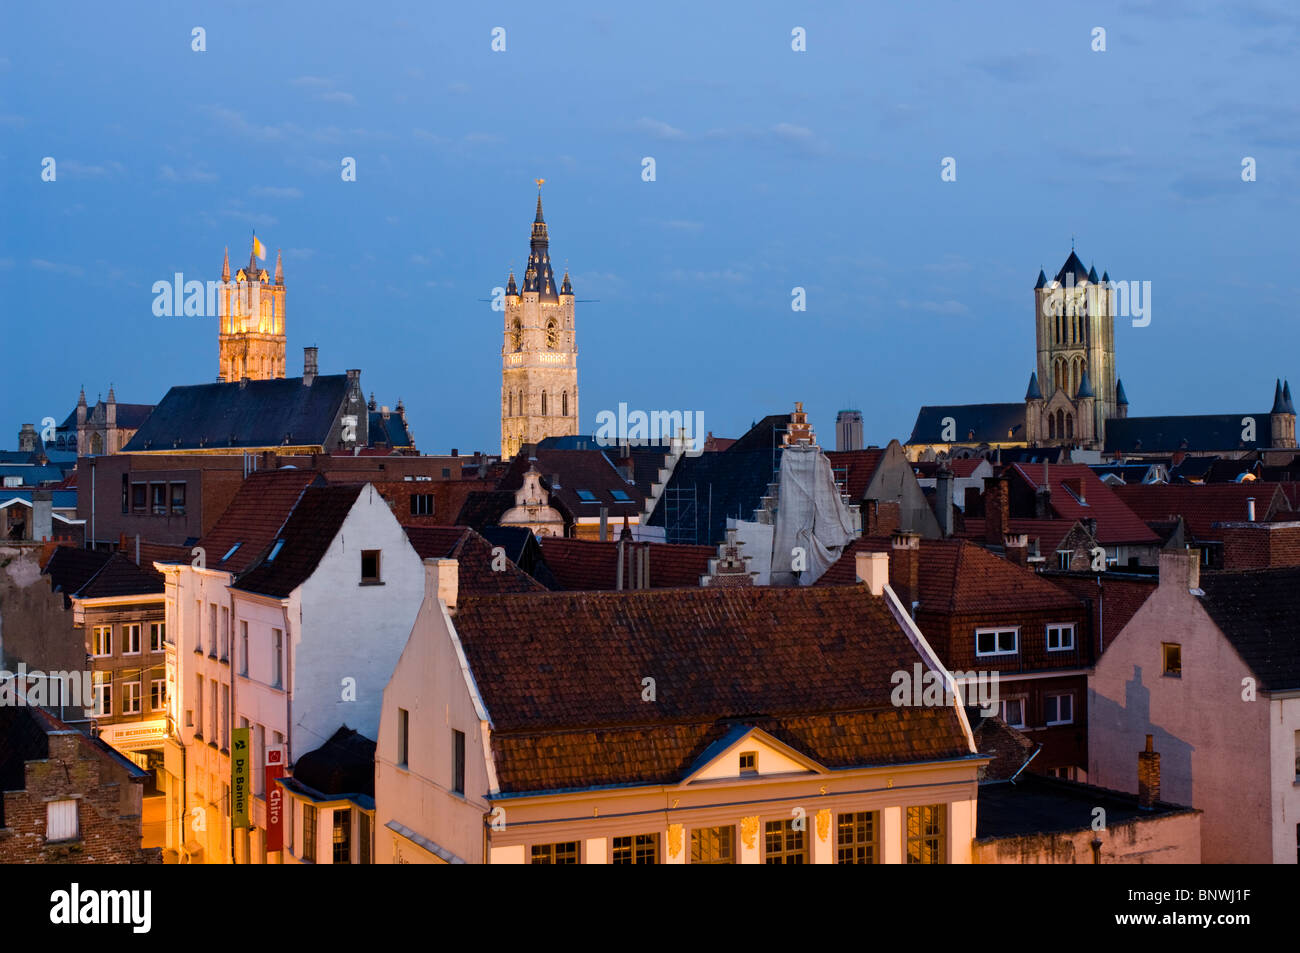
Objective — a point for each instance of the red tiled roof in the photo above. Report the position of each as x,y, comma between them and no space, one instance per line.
958,577
963,467
860,465
307,535
1116,523
585,564
1048,532
475,575
561,677
254,517
1202,505
1115,597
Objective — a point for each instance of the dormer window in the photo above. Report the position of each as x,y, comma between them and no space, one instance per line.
749,762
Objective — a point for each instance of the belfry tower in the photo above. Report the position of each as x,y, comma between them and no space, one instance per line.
539,356
250,314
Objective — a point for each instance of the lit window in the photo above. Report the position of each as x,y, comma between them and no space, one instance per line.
784,843
102,641
1173,659
925,834
562,853
637,849
713,845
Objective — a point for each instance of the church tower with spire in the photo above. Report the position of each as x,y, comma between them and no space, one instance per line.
539,356
250,314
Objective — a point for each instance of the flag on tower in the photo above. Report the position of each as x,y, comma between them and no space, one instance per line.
259,249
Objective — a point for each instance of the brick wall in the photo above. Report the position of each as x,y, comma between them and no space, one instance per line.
1260,545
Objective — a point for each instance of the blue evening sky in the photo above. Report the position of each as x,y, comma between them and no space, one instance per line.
775,169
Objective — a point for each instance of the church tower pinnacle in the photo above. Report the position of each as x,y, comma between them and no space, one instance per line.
539,356
250,314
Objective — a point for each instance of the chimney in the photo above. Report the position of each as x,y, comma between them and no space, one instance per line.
1017,548
943,495
308,365
1250,509
1043,497
995,510
905,567
455,452
1148,776
442,581
27,438
873,569
42,515
604,523
1180,568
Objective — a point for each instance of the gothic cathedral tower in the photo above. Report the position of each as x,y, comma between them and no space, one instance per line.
250,314
539,358
1074,391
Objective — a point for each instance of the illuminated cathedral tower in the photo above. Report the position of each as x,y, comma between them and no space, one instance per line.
250,313
539,357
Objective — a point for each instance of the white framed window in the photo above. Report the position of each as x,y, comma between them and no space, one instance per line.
212,629
61,820
277,657
1013,711
131,638
158,694
1060,637
1058,708
157,636
103,696
225,633
101,641
1063,558
997,641
243,647
131,698
225,717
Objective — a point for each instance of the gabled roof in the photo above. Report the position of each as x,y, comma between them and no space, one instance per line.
585,564
120,576
705,491
857,467
345,764
265,413
1116,523
70,568
561,678
474,554
1202,505
764,435
587,481
1199,433
1049,533
389,429
974,423
253,518
307,534
1257,611
1115,597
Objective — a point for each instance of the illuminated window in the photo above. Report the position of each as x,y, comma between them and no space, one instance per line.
636,849
565,852
784,843
925,834
856,838
713,845
1173,659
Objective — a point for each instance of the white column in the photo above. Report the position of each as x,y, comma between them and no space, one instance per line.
597,851
891,835
961,831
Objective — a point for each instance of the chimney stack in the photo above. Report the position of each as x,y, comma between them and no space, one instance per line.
943,496
996,510
1017,548
873,569
442,581
1250,509
905,567
604,523
42,515
308,365
1180,568
1148,776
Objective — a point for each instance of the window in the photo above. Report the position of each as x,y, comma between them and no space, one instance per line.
713,845
925,834
225,717
1059,709
139,497
1173,659
565,852
996,641
157,635
225,633
403,736
342,836
784,844
855,838
552,336
1063,558
421,504
198,626
620,497
275,550
213,730
131,698
1060,638
363,837
212,630
158,493
126,488
103,695
587,496
277,657
749,762
102,641
446,473
1297,755
178,499
458,761
309,833
369,566
637,849
131,638
232,550
564,404
61,821
198,706
157,694
243,646
1013,712
543,403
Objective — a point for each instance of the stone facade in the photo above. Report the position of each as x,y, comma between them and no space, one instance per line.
251,314
539,356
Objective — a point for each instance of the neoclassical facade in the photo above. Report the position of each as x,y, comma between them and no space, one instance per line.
539,355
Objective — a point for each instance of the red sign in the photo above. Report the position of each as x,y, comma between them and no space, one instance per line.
274,800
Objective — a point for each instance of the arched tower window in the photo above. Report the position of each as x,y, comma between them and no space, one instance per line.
564,404
510,404
543,403
517,336
1069,426
1051,426
552,336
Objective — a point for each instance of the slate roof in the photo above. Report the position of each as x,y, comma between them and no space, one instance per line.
266,413
975,423
1116,523
588,470
391,431
475,575
1201,506
957,577
586,564
120,576
1200,433
856,467
561,678
1034,804
345,764
253,518
484,508
1073,266
729,483
70,568
1259,613
307,534
768,432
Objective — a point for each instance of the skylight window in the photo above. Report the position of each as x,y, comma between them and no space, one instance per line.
587,496
620,497
232,551
275,550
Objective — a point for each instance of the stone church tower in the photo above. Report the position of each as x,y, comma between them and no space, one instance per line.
250,313
539,358
1074,390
